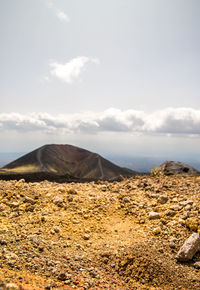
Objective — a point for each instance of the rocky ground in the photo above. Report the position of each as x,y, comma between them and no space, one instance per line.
99,235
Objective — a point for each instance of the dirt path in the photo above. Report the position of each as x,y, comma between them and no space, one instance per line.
39,158
101,169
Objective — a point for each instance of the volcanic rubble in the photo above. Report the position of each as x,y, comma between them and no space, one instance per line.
99,235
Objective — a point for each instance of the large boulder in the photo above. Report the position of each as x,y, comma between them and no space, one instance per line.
189,249
174,167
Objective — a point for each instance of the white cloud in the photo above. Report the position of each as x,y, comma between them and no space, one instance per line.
117,120
62,16
70,71
174,121
171,121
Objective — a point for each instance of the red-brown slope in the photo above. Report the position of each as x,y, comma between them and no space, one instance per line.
67,159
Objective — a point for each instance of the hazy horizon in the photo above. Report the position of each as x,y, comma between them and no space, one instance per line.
138,163
118,77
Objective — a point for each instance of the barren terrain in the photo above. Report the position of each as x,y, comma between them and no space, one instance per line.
99,235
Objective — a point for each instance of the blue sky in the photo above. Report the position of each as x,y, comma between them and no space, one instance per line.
109,75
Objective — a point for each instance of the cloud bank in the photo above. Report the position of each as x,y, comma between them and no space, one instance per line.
70,71
168,121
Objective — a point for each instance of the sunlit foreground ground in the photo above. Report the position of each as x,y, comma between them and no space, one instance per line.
98,235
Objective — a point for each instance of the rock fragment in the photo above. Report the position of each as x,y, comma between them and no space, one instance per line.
186,202
189,248
72,191
29,200
163,199
58,200
56,229
86,237
170,213
11,286
62,276
197,265
154,215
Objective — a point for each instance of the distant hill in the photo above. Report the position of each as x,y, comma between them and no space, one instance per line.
174,167
65,160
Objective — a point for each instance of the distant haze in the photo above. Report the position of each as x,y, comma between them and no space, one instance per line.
137,163
117,77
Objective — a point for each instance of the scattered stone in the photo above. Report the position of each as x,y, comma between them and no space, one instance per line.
170,213
43,219
30,208
163,199
56,229
62,276
141,221
186,202
29,200
14,204
72,191
188,207
105,240
197,265
3,242
154,215
58,200
86,237
157,231
70,198
172,243
189,249
11,286
104,188
11,256
125,200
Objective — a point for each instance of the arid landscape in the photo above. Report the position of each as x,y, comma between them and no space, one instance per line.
99,235
99,151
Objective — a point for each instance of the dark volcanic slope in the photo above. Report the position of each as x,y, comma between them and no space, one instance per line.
66,160
175,167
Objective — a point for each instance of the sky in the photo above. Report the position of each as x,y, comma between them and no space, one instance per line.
111,76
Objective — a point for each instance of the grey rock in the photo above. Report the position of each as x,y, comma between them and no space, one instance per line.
163,199
189,248
174,167
154,215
